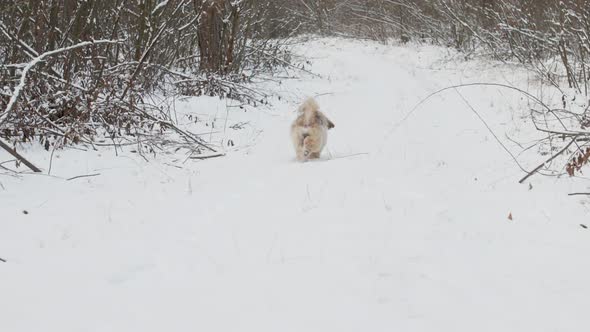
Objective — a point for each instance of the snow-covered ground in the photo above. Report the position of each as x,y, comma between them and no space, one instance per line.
402,226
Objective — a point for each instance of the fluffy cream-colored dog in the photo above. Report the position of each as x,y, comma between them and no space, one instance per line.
309,131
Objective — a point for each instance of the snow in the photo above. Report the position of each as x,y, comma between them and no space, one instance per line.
401,226
159,6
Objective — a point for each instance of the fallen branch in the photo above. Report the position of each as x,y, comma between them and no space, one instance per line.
579,194
2,260
20,158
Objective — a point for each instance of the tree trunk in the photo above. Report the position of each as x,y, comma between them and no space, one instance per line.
209,35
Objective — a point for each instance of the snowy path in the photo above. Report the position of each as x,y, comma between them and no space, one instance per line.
411,234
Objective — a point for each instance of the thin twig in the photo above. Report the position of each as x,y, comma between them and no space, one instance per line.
490,130
351,155
22,159
396,125
172,165
548,160
173,127
6,168
35,61
51,157
201,157
323,94
83,176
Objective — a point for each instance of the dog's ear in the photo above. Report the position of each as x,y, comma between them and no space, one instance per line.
330,124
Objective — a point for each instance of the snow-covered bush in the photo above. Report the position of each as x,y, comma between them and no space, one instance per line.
74,70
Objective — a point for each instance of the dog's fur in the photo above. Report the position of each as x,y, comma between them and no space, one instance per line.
309,131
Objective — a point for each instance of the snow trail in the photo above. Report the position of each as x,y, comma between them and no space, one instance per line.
403,229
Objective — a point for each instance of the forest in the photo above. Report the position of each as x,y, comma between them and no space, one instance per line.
72,71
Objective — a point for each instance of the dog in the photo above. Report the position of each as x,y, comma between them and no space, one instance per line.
309,132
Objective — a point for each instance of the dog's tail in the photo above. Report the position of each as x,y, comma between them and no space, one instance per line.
309,107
